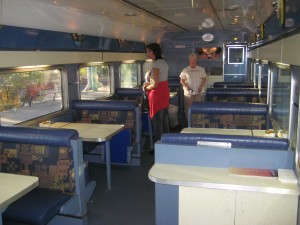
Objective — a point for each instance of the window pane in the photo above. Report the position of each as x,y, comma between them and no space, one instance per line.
147,67
29,94
95,81
129,73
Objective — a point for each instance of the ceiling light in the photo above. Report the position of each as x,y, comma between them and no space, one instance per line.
207,24
231,7
179,14
209,20
207,37
130,14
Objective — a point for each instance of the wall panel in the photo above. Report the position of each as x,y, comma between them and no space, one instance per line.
290,50
30,58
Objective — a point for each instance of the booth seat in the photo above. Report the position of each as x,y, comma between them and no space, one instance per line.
55,156
253,95
126,145
235,115
129,94
136,94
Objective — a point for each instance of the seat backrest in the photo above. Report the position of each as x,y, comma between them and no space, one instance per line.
235,115
253,95
129,94
43,152
124,112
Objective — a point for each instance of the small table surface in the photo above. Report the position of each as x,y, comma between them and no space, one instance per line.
95,133
91,131
14,186
210,177
243,132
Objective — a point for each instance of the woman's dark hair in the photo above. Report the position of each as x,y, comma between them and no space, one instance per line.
155,48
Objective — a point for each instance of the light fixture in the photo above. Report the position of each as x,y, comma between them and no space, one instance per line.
231,5
130,14
207,37
122,43
78,39
208,22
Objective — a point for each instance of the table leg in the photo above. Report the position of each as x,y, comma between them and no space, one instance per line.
1,211
150,131
108,164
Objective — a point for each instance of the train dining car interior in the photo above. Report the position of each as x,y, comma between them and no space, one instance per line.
77,146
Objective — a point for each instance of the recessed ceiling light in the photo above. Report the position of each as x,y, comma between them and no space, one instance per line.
207,24
207,37
231,7
130,14
179,14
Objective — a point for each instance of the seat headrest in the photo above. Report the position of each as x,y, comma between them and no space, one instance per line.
129,91
38,135
121,105
243,108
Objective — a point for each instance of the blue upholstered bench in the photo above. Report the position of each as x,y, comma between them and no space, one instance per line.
253,95
55,157
126,145
136,94
129,94
236,115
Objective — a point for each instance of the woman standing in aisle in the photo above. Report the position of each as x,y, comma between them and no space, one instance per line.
158,91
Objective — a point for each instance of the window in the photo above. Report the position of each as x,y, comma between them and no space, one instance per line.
235,55
146,67
95,81
129,75
25,95
216,71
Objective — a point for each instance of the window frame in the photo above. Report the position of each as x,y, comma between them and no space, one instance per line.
138,71
110,77
64,90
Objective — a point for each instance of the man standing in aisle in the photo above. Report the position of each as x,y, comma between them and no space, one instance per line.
193,79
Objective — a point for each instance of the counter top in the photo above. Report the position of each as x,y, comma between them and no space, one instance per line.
211,177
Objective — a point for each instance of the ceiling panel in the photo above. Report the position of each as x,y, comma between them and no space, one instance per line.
142,20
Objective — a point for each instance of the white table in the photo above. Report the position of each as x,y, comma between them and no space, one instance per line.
13,187
243,132
95,133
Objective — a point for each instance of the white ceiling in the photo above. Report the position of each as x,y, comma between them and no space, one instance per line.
154,18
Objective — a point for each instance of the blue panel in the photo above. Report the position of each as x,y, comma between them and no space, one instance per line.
118,146
234,78
145,125
223,157
166,204
16,38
